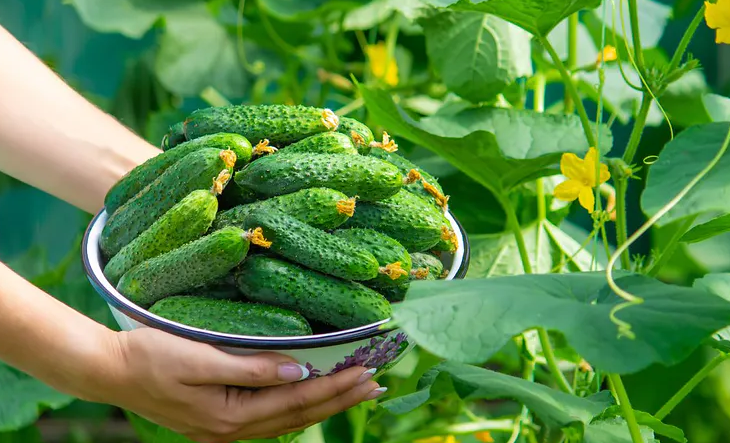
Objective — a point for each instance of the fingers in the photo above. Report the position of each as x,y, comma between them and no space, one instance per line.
259,370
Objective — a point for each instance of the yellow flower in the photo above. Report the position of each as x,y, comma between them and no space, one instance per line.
608,54
581,176
484,437
377,54
438,439
717,16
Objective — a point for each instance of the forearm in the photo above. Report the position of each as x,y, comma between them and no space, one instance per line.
51,341
54,139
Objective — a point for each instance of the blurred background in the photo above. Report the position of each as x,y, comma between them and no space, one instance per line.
149,63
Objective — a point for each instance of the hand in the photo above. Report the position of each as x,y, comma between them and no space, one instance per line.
194,389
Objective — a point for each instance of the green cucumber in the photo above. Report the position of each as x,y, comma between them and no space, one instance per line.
174,136
234,195
368,178
417,187
221,288
360,134
395,294
186,221
196,170
280,124
394,260
312,247
426,266
340,303
322,208
322,143
139,177
409,219
191,265
232,317
448,241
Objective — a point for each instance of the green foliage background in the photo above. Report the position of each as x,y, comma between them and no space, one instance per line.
151,62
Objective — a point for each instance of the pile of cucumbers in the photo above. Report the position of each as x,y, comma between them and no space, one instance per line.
316,228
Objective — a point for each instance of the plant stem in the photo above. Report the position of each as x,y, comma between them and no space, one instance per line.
358,417
572,56
686,38
539,106
390,40
621,228
626,410
638,51
638,129
689,386
513,224
670,248
547,350
571,89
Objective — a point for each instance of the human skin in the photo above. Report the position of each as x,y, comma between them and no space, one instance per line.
55,140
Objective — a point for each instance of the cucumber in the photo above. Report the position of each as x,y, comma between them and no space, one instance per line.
231,317
220,288
312,247
234,195
395,294
409,219
139,177
360,134
193,264
431,191
394,260
368,178
322,143
194,171
280,124
448,241
321,208
187,220
174,137
426,266
319,297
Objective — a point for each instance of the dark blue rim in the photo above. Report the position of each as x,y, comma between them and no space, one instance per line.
141,315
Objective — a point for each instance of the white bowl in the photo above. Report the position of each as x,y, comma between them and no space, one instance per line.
371,345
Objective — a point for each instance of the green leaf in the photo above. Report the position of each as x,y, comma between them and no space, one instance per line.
30,434
132,18
498,148
648,420
23,399
470,320
555,408
293,10
476,54
653,17
716,226
196,52
679,162
615,431
537,17
717,106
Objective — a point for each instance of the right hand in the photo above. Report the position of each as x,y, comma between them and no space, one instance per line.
195,390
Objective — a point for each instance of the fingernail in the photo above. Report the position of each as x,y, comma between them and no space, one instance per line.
375,393
367,375
292,372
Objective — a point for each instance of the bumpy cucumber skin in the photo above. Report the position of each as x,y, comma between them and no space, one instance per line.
196,170
445,245
280,124
385,249
347,125
189,266
319,297
405,166
186,221
316,207
429,261
409,219
312,247
369,178
174,137
395,294
322,143
144,174
232,317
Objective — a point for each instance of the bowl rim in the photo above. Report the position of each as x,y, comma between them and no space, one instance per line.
91,260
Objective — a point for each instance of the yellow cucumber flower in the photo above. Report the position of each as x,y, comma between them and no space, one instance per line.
581,174
438,439
377,54
484,437
608,54
717,16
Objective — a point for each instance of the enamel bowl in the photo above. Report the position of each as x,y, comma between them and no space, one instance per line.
371,345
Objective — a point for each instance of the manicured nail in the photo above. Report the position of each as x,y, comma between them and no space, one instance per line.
367,375
375,393
292,372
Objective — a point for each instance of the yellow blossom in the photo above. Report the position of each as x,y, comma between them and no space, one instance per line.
607,54
717,16
484,437
438,439
377,55
581,174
